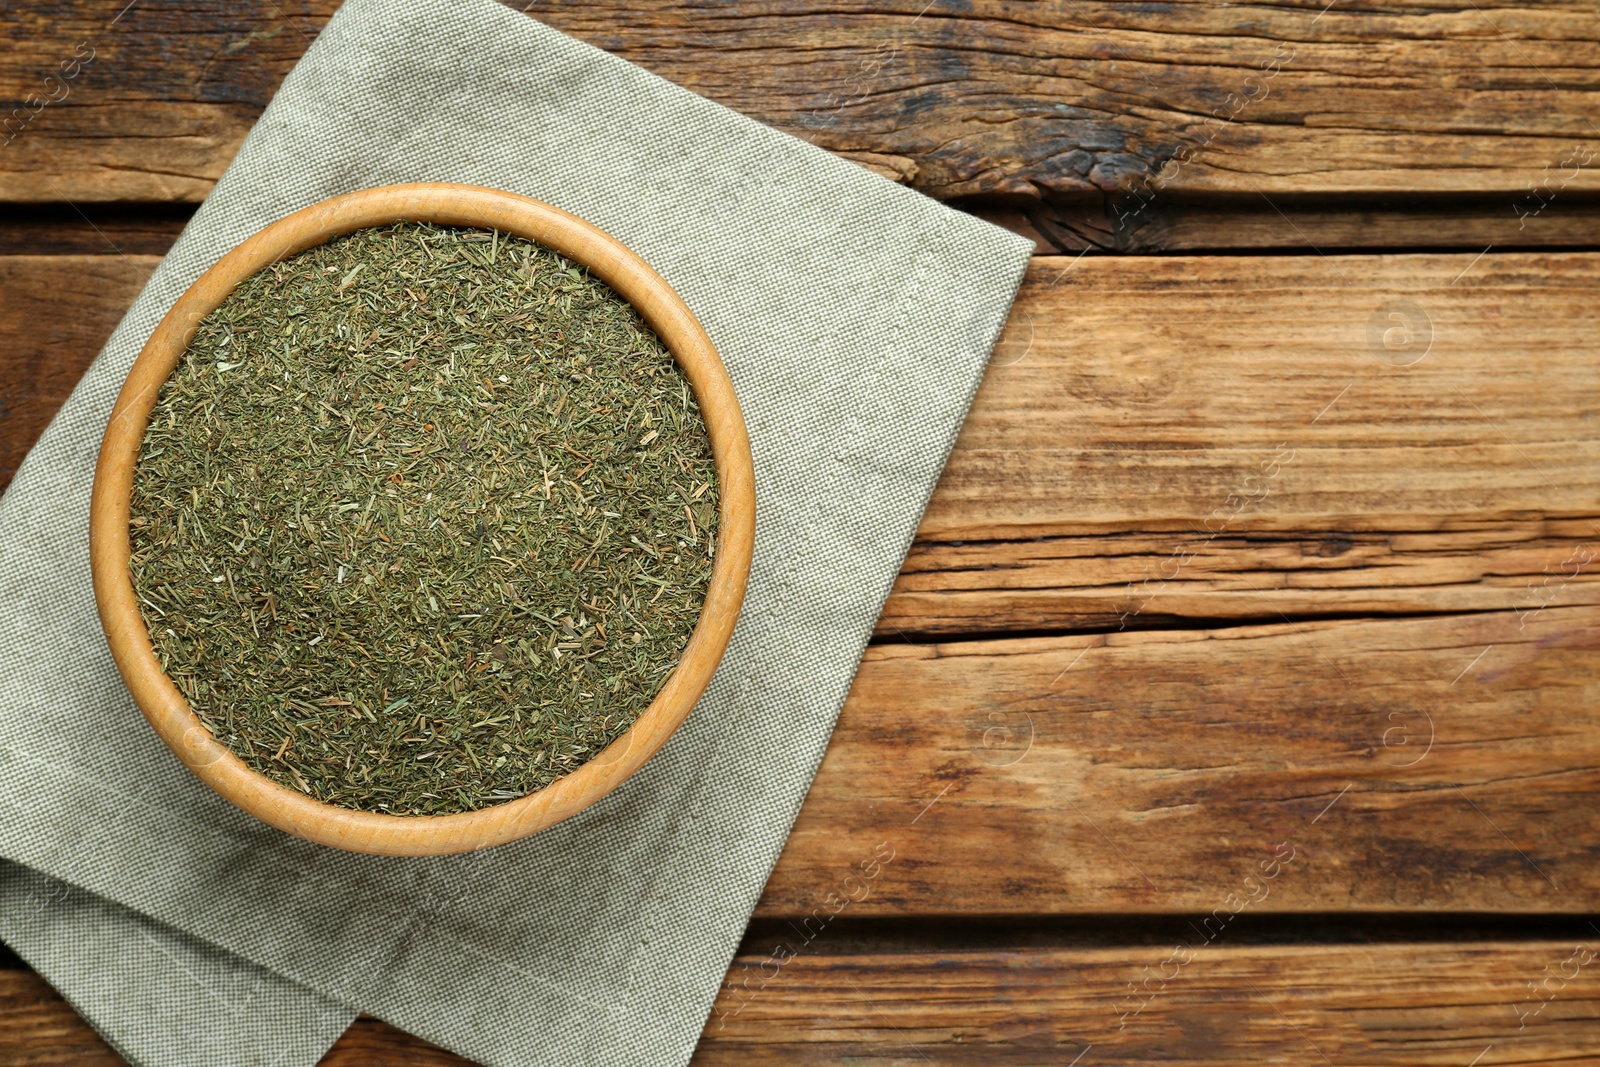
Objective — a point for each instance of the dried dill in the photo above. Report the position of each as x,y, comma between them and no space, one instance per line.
423,519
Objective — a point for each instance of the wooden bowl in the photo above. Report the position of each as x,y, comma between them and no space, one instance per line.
421,835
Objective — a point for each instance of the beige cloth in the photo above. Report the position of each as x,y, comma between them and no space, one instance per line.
855,318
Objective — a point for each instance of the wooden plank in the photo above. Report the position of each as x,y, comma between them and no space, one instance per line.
1129,399
1377,1005
1238,425
957,100
56,315
39,1029
1434,764
1139,394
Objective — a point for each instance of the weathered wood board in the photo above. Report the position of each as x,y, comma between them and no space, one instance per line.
1030,104
1182,438
1193,1003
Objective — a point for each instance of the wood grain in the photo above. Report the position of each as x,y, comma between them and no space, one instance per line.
93,230
1128,400
1177,221
1240,430
988,99
1432,764
57,313
1152,387
1309,1005
1141,580
41,1030
1139,394
1381,1006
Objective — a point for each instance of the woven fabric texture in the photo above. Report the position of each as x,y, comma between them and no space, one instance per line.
855,318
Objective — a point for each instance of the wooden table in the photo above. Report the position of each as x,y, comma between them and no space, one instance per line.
1237,701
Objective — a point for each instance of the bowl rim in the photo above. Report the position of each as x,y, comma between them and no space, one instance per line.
109,539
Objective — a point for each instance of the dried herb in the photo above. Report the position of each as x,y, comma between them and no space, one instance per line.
423,519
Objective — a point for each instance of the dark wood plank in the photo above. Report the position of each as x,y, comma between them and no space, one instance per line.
1031,104
56,315
1386,1005
39,1029
1381,1006
1177,222
91,229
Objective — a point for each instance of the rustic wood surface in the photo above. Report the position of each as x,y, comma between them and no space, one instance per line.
55,315
1273,551
1435,536
1343,1004
1039,104
1434,763
1129,400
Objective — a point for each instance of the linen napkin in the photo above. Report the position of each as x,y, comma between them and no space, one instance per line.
855,318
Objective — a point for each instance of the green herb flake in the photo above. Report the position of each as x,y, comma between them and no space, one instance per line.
423,519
